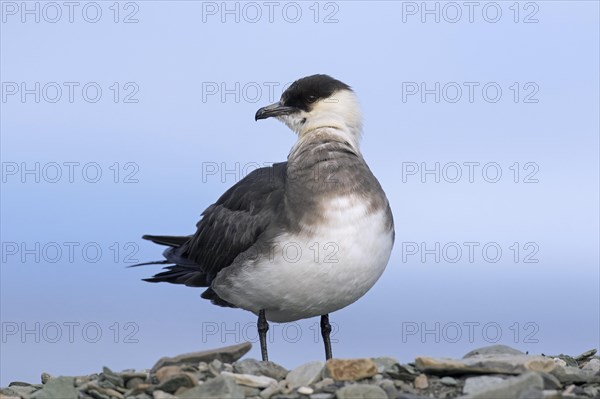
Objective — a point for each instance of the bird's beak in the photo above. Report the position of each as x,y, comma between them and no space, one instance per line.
276,109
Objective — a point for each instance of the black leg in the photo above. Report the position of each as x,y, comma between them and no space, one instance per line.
325,330
263,327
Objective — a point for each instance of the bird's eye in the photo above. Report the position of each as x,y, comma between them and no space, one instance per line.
311,99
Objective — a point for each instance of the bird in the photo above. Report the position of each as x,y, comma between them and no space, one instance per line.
297,239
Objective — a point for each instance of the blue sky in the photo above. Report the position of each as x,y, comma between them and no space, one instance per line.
481,124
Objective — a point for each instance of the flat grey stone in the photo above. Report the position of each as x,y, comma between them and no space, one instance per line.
573,375
306,374
510,388
384,363
493,350
216,388
486,364
19,390
532,393
550,381
227,354
585,355
175,382
481,383
361,391
404,372
448,381
59,387
322,395
255,367
250,380
111,376
592,365
410,396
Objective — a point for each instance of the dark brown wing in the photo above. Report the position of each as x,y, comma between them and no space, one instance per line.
228,227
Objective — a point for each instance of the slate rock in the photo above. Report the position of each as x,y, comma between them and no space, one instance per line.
59,387
255,367
574,375
384,363
485,364
480,383
532,393
421,382
166,372
448,381
46,377
403,372
220,387
249,380
592,365
361,391
174,382
550,381
111,376
162,395
510,388
306,374
350,369
493,350
227,354
585,355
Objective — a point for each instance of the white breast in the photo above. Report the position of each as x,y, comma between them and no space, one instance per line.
319,272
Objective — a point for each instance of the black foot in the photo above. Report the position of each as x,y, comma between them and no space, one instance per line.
325,330
263,327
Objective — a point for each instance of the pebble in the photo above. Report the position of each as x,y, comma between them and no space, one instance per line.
255,367
219,387
173,383
46,377
593,365
305,390
249,380
306,374
59,387
361,391
493,350
574,375
421,382
448,381
510,388
476,384
350,369
162,395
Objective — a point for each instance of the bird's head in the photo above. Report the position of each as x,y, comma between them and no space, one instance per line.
315,102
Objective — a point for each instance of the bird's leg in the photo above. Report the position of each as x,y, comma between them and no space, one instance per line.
325,330
263,327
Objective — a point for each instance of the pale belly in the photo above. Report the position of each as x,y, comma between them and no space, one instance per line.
316,273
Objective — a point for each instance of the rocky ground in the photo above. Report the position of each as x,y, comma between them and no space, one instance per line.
492,372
